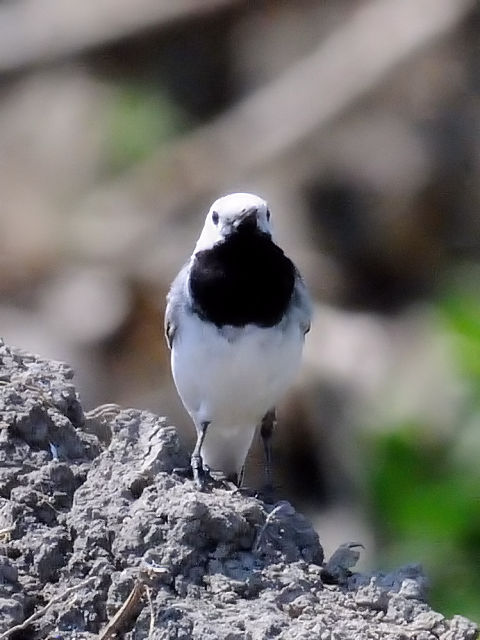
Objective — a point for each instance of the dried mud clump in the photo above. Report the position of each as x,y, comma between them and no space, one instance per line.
99,538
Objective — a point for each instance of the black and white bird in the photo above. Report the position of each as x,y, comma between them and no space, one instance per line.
236,319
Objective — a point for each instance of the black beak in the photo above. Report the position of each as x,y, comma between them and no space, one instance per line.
248,223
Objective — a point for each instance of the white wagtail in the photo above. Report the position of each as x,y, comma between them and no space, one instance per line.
235,322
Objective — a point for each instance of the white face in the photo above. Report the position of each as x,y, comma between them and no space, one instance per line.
228,213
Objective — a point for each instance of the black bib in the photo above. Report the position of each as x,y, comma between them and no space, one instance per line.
245,279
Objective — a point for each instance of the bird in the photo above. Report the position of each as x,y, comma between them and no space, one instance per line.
235,322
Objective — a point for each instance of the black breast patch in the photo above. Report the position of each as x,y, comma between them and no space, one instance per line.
247,279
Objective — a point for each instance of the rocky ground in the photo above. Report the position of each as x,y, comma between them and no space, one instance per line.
100,539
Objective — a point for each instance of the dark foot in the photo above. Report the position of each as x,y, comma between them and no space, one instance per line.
201,473
267,427
248,492
268,493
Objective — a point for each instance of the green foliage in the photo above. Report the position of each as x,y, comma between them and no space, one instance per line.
424,486
427,507
138,121
460,313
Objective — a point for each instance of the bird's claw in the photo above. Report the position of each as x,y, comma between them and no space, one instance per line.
198,474
267,493
201,473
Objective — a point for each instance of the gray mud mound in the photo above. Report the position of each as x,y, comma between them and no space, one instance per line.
100,539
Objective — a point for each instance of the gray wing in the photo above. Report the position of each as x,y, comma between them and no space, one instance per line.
177,302
169,326
302,303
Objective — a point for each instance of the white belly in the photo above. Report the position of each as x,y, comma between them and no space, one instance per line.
231,379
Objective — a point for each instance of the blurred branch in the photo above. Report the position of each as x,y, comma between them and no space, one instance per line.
349,63
33,31
353,60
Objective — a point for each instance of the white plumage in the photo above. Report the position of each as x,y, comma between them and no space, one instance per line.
231,376
231,379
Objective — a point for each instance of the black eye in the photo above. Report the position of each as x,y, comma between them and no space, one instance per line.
215,217
268,214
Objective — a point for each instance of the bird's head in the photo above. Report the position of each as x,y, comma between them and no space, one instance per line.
236,213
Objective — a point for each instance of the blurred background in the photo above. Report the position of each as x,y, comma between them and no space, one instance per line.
359,122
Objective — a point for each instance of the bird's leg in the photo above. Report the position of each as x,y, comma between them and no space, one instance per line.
240,477
267,426
199,471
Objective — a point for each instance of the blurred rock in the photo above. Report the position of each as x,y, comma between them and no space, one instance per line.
50,151
85,304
